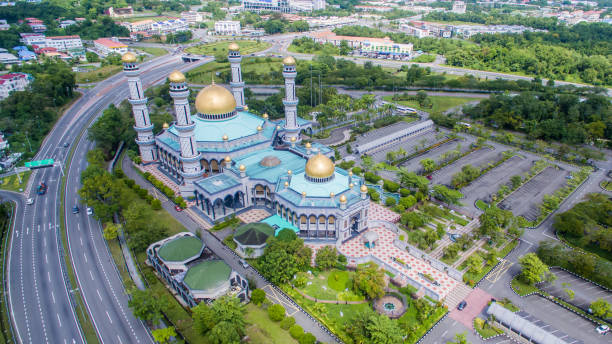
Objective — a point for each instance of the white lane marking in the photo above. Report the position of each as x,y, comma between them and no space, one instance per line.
45,242
109,318
91,274
59,320
444,334
85,256
46,260
100,296
27,230
81,238
17,232
120,341
53,296
49,275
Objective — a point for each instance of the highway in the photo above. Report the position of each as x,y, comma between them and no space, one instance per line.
39,293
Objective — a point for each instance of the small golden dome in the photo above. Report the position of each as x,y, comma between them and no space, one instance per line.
259,128
177,77
342,199
246,108
293,139
363,188
303,193
278,127
351,185
128,57
215,100
308,145
227,159
319,166
350,173
242,168
286,184
289,61
331,194
165,126
289,172
265,116
225,138
233,47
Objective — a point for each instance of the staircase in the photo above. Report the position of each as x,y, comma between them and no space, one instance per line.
459,293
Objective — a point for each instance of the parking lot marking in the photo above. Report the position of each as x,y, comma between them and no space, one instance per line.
496,274
274,296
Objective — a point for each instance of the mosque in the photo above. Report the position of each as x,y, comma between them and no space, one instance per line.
229,160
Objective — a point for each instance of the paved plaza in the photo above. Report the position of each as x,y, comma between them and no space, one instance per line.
253,215
476,302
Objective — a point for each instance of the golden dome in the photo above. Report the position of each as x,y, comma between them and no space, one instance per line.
331,194
215,100
176,77
278,127
303,193
225,138
351,185
342,199
227,159
289,172
293,139
233,47
363,188
128,57
289,61
308,145
259,128
286,184
319,166
350,173
265,116
242,168
165,125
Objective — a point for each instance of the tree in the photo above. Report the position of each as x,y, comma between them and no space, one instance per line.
326,257
258,296
533,270
111,231
163,335
460,338
146,306
601,308
307,338
276,264
383,330
222,321
446,195
428,164
474,263
114,126
276,312
103,193
412,180
370,281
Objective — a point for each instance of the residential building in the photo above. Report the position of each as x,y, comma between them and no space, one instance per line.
318,5
3,142
192,17
6,58
64,43
266,5
458,7
169,26
366,45
109,46
4,25
121,12
227,27
65,23
37,39
13,82
414,31
141,25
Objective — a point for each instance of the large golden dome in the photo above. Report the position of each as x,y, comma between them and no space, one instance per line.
128,57
176,77
319,166
215,100
233,47
289,61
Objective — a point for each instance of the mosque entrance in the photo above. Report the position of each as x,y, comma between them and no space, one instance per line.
355,224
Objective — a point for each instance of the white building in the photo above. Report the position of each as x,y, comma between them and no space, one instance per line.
141,25
266,5
3,143
458,7
64,43
227,27
108,46
6,58
37,39
414,31
13,82
318,5
169,26
4,25
65,23
192,17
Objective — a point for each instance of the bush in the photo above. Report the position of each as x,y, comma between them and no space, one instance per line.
356,170
286,323
374,195
390,201
156,204
404,192
276,312
391,186
307,338
296,331
258,296
407,201
371,177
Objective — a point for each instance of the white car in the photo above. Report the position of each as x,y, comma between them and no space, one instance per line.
602,329
30,201
89,211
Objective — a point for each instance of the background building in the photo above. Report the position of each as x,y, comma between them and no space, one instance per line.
266,5
227,27
192,17
119,12
109,46
458,7
13,82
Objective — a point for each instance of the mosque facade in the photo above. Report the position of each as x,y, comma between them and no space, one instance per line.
228,160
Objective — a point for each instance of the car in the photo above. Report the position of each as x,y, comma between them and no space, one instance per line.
244,263
30,201
454,237
461,305
177,208
602,329
66,144
89,211
75,210
429,177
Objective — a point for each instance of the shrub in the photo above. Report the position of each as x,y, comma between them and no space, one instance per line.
296,331
390,201
371,177
156,204
374,195
356,170
407,201
404,192
307,338
391,186
276,312
286,323
258,296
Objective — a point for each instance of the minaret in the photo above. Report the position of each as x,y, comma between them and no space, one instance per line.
143,126
237,83
190,157
291,127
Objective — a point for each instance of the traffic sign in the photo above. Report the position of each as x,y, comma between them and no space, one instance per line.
39,163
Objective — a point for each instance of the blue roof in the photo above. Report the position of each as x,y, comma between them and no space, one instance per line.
217,183
316,147
288,161
278,223
243,124
338,184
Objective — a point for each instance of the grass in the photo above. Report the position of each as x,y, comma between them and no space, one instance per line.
258,65
262,330
246,47
509,305
154,51
117,254
440,103
522,288
480,204
11,183
5,322
410,319
487,331
97,75
606,184
331,285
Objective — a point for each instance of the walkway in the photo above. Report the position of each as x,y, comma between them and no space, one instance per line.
476,302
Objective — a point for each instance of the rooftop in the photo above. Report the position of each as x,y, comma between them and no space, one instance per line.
180,249
338,184
243,124
255,170
109,43
253,233
209,274
217,183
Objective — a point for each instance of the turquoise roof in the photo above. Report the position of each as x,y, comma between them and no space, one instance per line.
243,124
278,223
174,145
300,122
338,184
254,170
217,183
315,147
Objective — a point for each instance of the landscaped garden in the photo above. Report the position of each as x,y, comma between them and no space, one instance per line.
485,329
246,47
332,284
254,70
438,103
11,182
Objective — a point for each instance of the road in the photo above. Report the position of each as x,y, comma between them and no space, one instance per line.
39,293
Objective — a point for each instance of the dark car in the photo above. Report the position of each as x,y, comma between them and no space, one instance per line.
429,177
461,305
75,210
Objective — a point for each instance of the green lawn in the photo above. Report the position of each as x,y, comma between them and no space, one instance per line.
440,103
606,184
260,66
262,330
11,182
97,74
331,285
410,318
154,51
521,288
480,204
246,47
488,331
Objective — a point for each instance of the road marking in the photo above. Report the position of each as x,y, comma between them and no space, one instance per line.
120,341
45,242
85,256
53,296
100,296
49,275
17,232
59,320
109,318
27,230
81,238
444,334
91,274
46,260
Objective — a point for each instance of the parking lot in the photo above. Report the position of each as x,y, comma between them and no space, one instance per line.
427,139
489,183
479,158
526,200
436,153
585,291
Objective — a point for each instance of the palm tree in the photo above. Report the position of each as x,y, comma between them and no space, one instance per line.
249,252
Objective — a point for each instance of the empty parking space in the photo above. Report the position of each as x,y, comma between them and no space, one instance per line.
526,200
424,140
585,292
461,145
479,158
